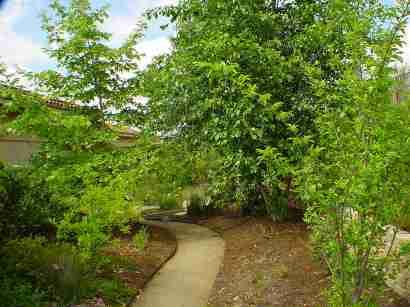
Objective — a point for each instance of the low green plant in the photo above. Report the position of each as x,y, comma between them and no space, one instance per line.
113,292
17,292
58,268
25,205
140,239
34,271
196,199
67,272
100,210
277,208
111,263
168,201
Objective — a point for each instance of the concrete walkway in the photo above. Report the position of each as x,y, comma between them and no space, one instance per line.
187,279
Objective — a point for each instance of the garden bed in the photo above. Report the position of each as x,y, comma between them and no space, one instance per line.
270,264
40,272
136,267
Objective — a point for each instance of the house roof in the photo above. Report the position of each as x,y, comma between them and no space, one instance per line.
58,104
61,105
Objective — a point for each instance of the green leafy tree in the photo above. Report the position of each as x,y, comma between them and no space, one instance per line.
261,81
239,79
355,175
236,81
93,79
91,72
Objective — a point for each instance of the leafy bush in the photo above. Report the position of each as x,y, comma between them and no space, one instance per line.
114,292
16,292
25,205
90,195
59,269
7,199
104,191
141,238
168,201
355,176
99,211
198,200
34,271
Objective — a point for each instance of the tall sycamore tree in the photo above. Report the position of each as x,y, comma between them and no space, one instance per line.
77,161
236,81
90,70
242,79
297,89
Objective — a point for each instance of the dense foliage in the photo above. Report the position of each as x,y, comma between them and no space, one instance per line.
355,176
241,79
233,83
25,206
82,186
269,103
90,70
300,89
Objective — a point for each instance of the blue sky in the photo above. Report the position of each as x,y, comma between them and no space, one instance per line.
22,40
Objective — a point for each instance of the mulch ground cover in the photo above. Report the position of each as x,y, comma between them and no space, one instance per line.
271,264
136,267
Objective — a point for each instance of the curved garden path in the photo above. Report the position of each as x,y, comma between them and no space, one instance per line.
187,279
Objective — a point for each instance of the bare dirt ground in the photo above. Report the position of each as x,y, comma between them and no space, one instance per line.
270,264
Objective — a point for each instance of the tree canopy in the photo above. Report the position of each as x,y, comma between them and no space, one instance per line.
273,104
90,70
243,78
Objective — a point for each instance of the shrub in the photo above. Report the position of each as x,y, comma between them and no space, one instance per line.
141,238
66,271
16,292
168,201
34,271
355,178
57,268
7,198
99,211
114,292
198,201
25,204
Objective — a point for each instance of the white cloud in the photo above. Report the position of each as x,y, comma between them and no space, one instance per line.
121,26
21,49
152,48
17,49
166,2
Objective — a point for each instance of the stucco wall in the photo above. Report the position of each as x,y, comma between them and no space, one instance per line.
17,149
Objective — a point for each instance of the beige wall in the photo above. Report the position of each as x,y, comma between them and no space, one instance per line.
17,149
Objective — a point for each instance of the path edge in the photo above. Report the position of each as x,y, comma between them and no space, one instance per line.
149,223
